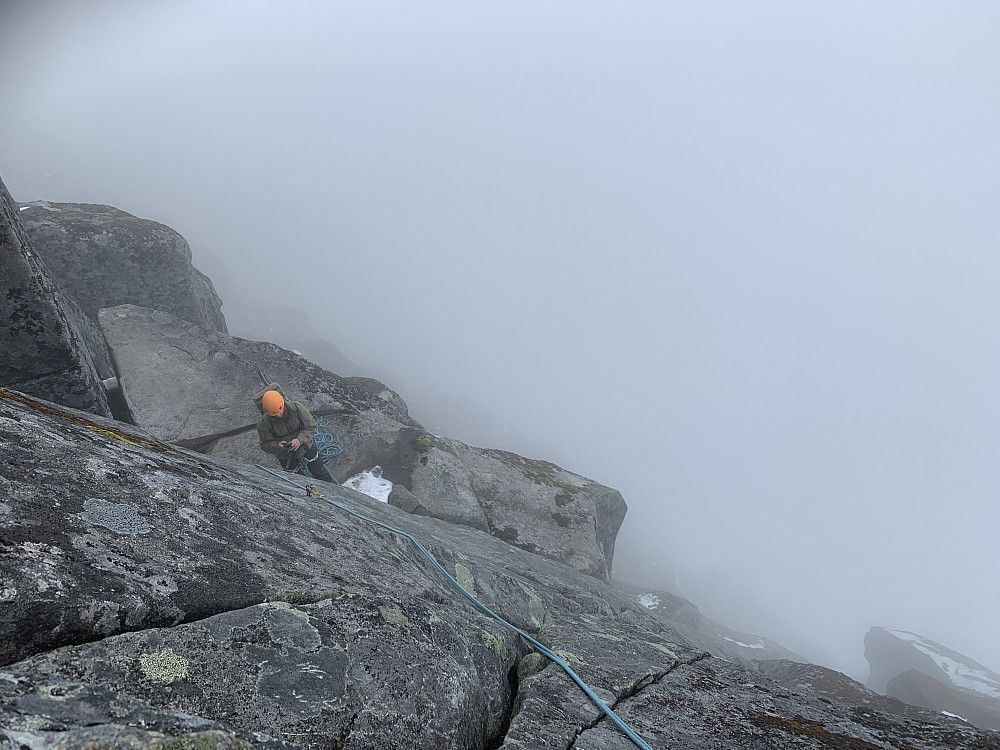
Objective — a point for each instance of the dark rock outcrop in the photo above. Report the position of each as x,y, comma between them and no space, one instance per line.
157,598
186,384
918,689
102,257
954,682
891,652
43,336
830,685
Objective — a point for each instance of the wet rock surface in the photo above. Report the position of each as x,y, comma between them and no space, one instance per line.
43,338
101,256
155,597
182,383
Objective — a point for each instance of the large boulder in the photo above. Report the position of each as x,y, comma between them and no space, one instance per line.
158,598
101,257
43,336
194,386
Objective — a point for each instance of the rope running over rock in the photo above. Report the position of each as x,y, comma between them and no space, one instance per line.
486,610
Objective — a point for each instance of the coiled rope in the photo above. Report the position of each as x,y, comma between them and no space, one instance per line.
486,610
327,441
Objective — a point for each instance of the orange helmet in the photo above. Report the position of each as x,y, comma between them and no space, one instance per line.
273,404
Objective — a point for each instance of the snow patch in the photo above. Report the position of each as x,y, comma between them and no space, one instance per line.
744,645
961,675
371,483
649,601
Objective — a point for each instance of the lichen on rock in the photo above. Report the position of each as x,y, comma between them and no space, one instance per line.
121,518
164,666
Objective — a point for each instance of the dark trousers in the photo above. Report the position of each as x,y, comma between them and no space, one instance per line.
312,460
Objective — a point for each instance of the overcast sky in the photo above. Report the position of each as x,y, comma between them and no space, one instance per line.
738,260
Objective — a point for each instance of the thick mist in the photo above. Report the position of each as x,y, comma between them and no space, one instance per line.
737,260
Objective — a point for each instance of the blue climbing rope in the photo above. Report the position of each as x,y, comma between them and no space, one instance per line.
327,441
328,444
486,610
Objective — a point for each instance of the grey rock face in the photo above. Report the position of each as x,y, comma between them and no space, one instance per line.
156,598
103,257
42,335
890,652
182,383
953,683
834,686
704,632
917,689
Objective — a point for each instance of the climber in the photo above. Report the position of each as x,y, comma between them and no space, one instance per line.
286,429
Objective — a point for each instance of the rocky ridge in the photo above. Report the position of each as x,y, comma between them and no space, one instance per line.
921,672
155,597
183,383
101,256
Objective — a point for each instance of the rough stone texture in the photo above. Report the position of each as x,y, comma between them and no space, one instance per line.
838,688
103,257
402,498
182,382
42,335
156,598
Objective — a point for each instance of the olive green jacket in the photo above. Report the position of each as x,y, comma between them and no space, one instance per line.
296,422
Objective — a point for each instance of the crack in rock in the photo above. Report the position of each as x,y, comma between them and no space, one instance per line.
636,688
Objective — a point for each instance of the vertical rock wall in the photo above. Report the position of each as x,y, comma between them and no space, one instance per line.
43,350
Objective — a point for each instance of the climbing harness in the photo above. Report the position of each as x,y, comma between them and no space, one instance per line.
311,491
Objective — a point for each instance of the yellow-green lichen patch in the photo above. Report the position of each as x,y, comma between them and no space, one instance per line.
164,666
395,616
422,443
30,723
536,608
464,577
569,656
664,649
495,642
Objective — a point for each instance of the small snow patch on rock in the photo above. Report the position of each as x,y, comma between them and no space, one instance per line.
371,483
649,601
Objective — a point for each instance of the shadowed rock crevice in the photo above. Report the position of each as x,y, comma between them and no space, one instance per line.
48,348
